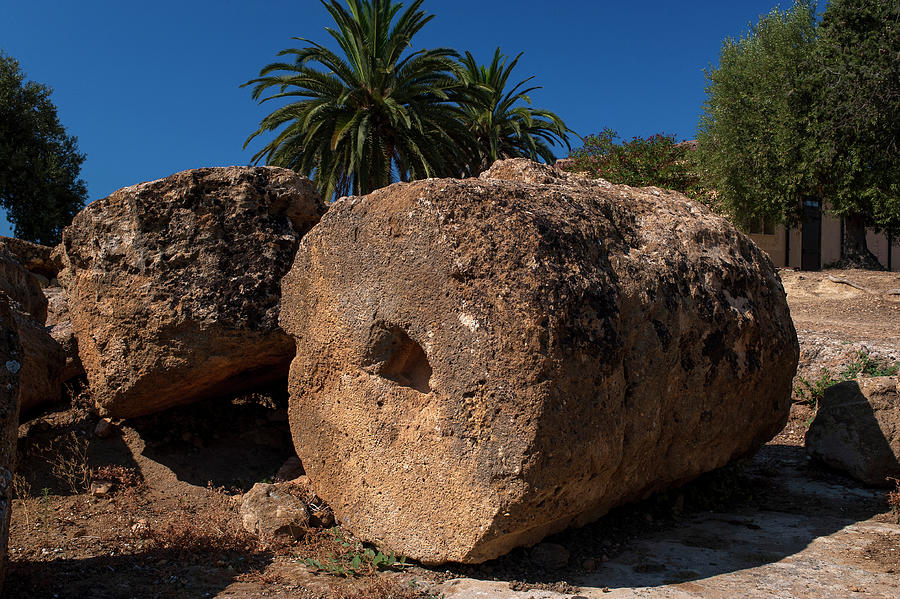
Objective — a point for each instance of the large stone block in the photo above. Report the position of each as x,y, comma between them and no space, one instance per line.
173,287
857,429
41,357
39,259
481,363
43,362
10,367
22,288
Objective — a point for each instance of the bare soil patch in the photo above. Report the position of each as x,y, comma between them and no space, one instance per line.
169,524
848,313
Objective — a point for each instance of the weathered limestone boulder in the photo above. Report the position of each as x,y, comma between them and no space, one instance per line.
173,288
38,259
43,362
270,511
41,356
22,288
59,325
857,429
481,363
10,367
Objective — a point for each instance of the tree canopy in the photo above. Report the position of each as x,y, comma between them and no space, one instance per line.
856,122
39,162
500,125
798,110
753,138
376,111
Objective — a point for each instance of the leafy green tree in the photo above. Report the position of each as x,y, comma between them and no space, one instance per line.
656,160
798,111
39,163
754,142
503,128
856,75
371,114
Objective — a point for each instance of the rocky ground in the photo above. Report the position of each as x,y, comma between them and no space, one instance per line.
774,525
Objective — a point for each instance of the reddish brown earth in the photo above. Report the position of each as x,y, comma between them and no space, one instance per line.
773,525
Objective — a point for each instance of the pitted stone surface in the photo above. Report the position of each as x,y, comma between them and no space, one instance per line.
482,363
10,358
172,286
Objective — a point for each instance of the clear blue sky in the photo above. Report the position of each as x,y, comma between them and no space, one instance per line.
152,88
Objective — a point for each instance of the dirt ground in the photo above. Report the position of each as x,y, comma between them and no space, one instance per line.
773,525
865,313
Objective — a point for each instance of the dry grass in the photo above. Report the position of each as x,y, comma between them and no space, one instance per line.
894,498
21,492
215,527
382,587
121,477
68,460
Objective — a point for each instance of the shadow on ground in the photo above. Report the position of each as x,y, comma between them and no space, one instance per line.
754,513
230,443
157,573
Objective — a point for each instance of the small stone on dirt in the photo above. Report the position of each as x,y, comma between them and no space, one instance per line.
103,429
270,511
291,469
141,527
101,487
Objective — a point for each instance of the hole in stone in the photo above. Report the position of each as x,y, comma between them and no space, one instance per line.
397,357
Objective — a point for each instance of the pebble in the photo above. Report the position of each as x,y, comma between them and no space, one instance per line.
291,469
101,487
104,428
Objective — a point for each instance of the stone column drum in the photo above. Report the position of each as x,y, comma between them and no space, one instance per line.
484,362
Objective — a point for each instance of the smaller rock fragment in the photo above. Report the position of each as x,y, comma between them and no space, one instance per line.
104,428
291,469
140,527
101,487
269,511
857,429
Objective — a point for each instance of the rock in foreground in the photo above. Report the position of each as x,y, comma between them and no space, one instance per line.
41,360
482,363
173,286
43,363
857,429
271,511
10,366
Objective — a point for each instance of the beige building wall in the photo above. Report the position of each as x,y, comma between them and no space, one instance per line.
796,247
775,245
831,239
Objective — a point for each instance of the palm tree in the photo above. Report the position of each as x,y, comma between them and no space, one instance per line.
502,129
371,115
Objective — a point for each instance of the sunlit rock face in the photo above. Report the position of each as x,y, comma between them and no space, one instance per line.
483,362
173,286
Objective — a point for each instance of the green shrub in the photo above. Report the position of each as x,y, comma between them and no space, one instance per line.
656,160
338,553
812,391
